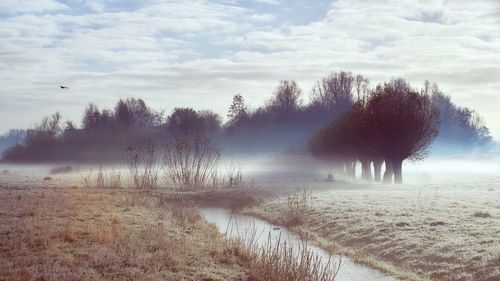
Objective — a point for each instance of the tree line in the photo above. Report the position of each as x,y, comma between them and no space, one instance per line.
393,123
285,123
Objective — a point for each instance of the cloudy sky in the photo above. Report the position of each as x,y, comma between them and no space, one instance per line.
200,53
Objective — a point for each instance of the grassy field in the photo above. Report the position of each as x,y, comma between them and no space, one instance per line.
56,230
67,224
54,227
415,232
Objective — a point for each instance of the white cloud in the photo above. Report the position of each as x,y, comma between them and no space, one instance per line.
30,6
262,17
271,2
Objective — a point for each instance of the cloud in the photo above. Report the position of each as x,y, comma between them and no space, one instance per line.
180,53
27,6
270,2
262,17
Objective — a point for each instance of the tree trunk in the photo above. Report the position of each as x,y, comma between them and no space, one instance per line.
397,165
389,172
377,169
353,169
366,170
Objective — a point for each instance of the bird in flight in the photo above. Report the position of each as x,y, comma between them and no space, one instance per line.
63,87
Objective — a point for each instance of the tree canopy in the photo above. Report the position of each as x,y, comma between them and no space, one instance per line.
341,101
395,123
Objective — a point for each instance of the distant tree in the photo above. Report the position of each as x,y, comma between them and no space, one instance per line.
333,143
123,114
186,121
404,122
460,129
183,121
394,123
39,141
91,117
238,109
134,112
69,126
286,97
211,122
361,87
11,138
348,139
335,91
48,128
16,135
106,119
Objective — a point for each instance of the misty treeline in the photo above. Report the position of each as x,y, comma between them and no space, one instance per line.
394,122
285,123
11,138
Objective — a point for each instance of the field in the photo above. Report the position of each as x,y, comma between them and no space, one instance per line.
57,230
415,232
53,227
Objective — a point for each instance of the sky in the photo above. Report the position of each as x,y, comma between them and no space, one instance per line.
201,53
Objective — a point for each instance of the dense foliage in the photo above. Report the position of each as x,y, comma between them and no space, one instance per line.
393,123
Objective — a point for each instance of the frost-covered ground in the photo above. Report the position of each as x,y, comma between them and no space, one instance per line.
442,224
447,227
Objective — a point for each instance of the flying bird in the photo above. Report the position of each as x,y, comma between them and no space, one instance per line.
63,87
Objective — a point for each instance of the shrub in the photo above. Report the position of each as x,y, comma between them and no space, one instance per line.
143,167
191,163
297,206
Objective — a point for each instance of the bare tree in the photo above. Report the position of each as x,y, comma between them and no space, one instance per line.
361,87
459,127
48,128
91,116
286,97
334,91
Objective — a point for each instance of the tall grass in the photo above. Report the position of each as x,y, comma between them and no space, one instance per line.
234,176
298,205
104,179
143,167
278,261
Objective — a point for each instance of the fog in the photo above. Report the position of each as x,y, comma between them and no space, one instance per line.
433,170
453,170
303,169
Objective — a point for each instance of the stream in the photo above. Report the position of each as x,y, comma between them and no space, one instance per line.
237,226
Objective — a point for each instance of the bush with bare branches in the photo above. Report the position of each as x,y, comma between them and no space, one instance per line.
143,167
191,163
